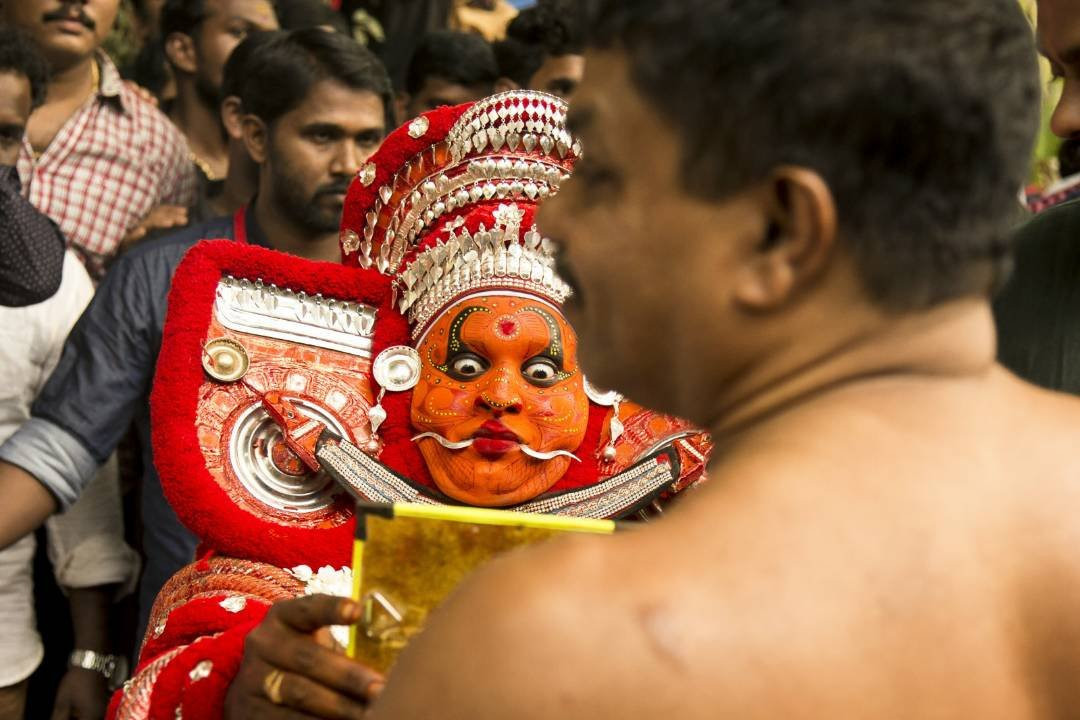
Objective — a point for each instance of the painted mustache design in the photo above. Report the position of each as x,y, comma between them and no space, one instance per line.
461,445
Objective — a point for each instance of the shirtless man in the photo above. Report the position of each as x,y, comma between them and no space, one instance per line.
785,228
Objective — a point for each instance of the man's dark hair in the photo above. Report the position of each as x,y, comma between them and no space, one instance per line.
283,71
20,56
551,28
182,16
920,115
301,14
456,57
236,67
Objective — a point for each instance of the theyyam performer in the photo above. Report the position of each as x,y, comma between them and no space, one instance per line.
434,366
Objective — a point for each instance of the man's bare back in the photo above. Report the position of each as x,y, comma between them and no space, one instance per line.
844,561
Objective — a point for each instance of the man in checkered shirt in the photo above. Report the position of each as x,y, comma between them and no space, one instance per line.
99,159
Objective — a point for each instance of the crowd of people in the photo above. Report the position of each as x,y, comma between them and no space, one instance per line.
797,230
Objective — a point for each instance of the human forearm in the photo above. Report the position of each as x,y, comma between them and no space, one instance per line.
26,503
90,617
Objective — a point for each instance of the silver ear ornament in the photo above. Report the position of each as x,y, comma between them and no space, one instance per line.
396,369
612,399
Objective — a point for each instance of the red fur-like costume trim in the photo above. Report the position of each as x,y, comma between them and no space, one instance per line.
199,501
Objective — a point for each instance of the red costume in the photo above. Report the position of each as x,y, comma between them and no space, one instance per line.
434,366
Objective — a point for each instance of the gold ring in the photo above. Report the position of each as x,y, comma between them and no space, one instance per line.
272,686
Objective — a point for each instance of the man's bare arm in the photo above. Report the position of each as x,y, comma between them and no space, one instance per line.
26,503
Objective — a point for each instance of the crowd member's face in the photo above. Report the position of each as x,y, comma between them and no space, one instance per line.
437,92
66,32
501,372
559,75
14,112
1059,41
225,26
654,268
313,152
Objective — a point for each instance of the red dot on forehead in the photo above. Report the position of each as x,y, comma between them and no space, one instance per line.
507,327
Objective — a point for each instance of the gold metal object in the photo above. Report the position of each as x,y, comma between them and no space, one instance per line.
412,556
225,360
272,686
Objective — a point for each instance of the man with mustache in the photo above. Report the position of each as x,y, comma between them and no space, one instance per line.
99,159
314,106
786,227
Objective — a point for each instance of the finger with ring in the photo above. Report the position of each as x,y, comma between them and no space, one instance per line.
272,685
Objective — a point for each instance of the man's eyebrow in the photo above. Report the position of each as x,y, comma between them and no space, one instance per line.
580,119
324,128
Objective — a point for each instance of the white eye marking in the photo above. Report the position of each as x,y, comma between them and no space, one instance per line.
540,371
467,366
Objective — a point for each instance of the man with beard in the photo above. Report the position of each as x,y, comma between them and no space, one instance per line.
786,226
199,36
316,106
99,159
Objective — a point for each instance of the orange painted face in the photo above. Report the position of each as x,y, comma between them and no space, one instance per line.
502,391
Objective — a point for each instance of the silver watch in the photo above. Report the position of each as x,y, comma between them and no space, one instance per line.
112,667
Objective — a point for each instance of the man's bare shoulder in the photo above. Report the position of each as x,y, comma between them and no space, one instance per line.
671,620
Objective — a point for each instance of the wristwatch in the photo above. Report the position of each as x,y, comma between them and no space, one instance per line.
113,667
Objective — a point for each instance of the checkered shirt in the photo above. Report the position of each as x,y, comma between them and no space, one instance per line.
113,161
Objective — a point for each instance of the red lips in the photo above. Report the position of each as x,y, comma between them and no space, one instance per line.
493,440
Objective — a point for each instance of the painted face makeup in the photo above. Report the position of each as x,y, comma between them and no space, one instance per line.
501,405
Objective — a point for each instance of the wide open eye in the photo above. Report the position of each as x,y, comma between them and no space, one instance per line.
540,371
467,366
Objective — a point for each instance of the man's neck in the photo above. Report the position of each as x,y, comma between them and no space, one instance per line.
955,340
240,183
72,84
69,89
283,235
201,127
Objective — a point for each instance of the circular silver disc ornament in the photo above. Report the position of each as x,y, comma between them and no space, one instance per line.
225,360
605,398
271,473
397,368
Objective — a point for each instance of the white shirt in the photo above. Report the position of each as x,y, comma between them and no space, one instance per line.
86,543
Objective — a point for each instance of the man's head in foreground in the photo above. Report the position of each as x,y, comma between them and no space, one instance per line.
316,107
199,36
23,81
447,68
544,49
66,32
736,204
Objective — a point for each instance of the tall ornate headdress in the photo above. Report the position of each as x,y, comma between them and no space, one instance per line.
446,206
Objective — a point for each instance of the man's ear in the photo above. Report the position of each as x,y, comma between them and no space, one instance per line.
797,243
256,138
180,51
232,117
